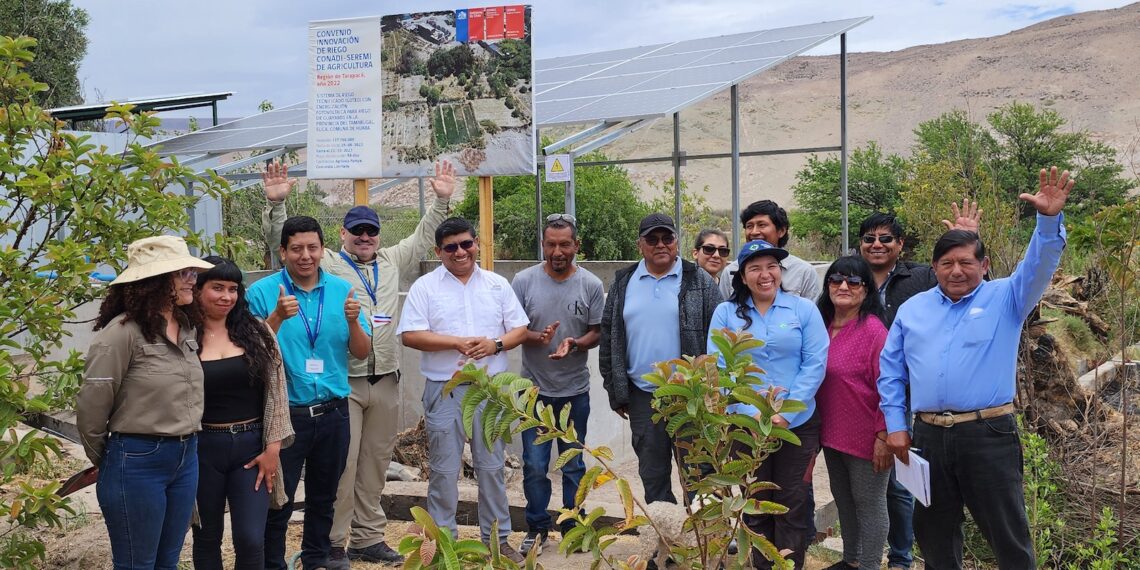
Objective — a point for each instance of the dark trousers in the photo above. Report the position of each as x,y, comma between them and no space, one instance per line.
900,512
786,468
977,465
222,478
654,448
536,463
321,448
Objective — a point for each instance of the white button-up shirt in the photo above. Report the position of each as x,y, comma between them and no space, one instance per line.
439,302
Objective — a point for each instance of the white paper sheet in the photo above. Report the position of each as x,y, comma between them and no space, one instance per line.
915,477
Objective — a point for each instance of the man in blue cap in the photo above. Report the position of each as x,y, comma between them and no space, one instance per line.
375,399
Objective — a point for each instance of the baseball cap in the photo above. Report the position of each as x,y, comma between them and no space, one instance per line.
655,221
360,215
759,247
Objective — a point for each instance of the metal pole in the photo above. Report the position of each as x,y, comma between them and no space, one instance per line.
539,172
735,167
420,181
677,172
215,106
843,138
570,207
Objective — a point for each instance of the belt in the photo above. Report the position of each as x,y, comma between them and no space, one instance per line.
316,409
948,419
233,428
154,437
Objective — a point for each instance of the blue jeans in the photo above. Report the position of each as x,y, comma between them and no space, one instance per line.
320,447
900,513
146,491
222,478
536,463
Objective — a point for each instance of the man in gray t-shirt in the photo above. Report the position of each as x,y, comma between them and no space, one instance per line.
564,303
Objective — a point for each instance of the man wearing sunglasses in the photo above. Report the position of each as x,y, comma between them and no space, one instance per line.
455,314
658,309
374,272
564,303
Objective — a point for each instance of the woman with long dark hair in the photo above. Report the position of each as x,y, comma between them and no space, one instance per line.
794,356
140,406
245,423
853,433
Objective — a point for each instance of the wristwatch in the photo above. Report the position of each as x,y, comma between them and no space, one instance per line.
498,345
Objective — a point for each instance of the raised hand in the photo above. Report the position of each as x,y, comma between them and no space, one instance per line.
1052,192
564,349
443,183
968,218
276,181
351,306
547,333
286,304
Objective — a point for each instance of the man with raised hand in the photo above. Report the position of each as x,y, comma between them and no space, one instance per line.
359,522
456,313
319,324
564,303
956,346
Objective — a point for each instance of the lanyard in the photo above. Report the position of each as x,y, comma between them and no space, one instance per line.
370,289
310,332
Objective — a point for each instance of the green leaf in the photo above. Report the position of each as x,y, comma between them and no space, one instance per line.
566,456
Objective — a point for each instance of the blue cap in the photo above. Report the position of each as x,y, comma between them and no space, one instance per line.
361,215
759,247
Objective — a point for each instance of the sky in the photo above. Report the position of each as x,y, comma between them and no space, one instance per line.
258,48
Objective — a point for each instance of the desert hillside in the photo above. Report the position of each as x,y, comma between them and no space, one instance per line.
1085,66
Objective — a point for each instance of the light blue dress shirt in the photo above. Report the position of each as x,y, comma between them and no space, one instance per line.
307,388
962,356
794,355
652,321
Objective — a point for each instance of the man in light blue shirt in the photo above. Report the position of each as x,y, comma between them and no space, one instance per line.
956,347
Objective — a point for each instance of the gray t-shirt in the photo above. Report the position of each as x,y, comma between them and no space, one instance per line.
575,303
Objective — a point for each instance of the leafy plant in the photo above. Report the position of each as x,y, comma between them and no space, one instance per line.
721,453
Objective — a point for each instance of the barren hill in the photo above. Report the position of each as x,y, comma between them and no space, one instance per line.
1085,66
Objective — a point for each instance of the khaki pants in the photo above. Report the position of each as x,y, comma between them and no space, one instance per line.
373,420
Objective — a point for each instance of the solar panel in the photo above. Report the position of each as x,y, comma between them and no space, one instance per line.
276,128
658,80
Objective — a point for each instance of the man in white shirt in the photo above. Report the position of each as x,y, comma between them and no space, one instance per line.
766,220
456,313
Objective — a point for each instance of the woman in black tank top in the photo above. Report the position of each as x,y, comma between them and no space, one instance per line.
244,424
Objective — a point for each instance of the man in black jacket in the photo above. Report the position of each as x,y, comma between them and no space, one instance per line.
881,244
658,309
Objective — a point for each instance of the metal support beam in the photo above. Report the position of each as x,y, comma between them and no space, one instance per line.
612,136
570,206
297,171
843,139
574,138
214,105
378,189
423,209
735,103
538,222
717,155
248,161
677,159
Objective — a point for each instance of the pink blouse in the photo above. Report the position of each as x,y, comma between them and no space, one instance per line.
848,400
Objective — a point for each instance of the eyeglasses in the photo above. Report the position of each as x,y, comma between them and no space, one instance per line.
711,249
362,229
654,239
852,280
188,274
454,247
887,238
562,218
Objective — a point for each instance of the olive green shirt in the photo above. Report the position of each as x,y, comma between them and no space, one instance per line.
131,385
384,312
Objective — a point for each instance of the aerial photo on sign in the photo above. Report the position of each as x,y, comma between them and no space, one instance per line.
458,86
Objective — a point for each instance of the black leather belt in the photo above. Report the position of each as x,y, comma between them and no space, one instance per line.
233,428
316,409
154,437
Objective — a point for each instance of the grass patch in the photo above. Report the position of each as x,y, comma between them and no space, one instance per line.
454,125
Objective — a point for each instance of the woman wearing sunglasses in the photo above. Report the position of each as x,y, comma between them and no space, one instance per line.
711,252
853,434
245,421
794,356
140,406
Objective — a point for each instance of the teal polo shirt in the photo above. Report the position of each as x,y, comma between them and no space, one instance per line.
331,347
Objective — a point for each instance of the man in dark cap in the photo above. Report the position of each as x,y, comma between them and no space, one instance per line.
658,309
374,402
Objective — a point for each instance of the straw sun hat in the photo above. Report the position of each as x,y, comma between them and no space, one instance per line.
152,256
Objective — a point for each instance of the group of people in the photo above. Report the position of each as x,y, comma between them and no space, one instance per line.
201,393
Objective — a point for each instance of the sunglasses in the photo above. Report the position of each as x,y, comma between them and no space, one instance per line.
711,249
882,239
454,247
562,218
362,229
654,239
852,280
188,274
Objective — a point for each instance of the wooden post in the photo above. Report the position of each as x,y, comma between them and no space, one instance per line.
360,192
486,223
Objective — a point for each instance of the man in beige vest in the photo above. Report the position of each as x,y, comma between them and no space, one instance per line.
359,521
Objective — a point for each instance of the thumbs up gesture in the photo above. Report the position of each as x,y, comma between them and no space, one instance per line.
351,306
286,304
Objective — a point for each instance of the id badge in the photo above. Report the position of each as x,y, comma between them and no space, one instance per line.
315,366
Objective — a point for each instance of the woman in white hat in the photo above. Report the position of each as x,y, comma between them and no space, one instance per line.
140,405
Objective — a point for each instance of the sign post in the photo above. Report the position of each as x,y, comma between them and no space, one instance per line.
487,223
